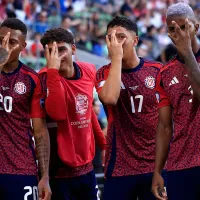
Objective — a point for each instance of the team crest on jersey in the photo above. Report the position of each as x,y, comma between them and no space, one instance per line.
81,103
150,82
20,88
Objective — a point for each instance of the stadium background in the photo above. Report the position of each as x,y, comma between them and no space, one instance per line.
87,19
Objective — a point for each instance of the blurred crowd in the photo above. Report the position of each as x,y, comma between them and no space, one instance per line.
87,19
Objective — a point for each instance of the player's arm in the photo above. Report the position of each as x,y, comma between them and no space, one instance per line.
99,136
42,143
41,137
98,133
185,50
163,137
110,91
55,102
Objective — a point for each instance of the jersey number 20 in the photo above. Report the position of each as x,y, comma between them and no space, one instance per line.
31,191
7,103
133,100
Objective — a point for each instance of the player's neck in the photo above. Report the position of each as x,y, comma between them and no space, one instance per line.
10,67
68,72
131,63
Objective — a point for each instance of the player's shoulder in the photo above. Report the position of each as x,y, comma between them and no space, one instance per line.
88,70
154,64
85,65
169,65
43,71
29,71
103,72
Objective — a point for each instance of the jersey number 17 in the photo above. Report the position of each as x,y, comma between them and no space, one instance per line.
133,101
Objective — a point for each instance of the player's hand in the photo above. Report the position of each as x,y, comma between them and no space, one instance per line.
115,49
5,50
52,57
103,154
158,187
181,38
44,190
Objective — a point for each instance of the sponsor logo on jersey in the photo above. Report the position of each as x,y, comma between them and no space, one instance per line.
20,88
134,87
150,82
81,103
5,88
173,81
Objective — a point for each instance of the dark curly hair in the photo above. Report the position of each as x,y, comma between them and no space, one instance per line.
15,24
123,22
57,35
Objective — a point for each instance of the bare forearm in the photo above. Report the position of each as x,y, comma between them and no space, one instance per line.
43,152
111,90
163,137
193,68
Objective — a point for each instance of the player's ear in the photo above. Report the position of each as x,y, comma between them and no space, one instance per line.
23,45
73,49
135,41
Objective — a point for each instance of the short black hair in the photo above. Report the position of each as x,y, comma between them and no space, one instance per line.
15,24
123,22
57,35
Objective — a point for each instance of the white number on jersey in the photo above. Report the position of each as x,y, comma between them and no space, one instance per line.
31,191
191,91
140,97
7,103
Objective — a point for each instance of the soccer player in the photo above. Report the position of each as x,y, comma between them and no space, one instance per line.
69,102
126,88
178,93
20,95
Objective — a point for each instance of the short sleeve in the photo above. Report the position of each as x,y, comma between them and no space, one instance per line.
38,96
161,96
101,76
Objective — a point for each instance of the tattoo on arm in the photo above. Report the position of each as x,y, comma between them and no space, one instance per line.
193,67
43,153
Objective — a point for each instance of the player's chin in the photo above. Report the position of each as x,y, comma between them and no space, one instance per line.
62,65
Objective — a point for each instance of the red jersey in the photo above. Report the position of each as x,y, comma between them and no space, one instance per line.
21,93
73,113
175,89
132,122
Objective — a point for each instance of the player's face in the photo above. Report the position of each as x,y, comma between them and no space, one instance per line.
16,38
193,27
63,48
130,42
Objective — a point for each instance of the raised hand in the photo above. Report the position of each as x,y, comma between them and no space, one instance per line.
3,56
52,57
5,50
181,38
114,47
